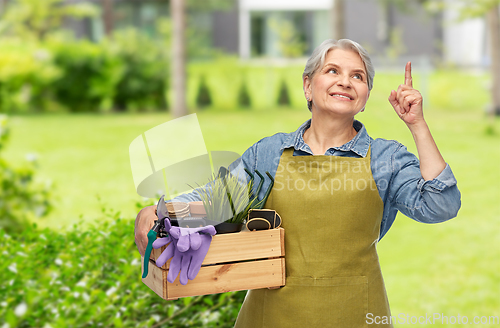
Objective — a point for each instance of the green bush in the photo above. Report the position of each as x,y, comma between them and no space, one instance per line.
129,71
90,75
26,73
21,198
144,80
92,278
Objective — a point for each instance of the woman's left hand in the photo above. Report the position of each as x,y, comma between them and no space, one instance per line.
407,102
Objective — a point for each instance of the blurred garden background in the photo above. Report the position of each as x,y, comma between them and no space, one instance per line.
79,80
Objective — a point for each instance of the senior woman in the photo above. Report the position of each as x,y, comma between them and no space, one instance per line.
338,192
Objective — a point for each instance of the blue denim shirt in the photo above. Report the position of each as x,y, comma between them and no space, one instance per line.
395,170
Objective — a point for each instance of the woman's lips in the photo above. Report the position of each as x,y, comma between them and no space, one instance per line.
342,96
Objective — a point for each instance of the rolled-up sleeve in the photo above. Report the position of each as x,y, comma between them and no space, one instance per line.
431,201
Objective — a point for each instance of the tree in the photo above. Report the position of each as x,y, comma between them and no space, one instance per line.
178,13
107,16
35,19
3,4
337,14
178,58
494,30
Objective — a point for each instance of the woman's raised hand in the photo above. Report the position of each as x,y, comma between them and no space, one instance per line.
407,102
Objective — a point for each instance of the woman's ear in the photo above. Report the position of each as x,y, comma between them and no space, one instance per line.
306,85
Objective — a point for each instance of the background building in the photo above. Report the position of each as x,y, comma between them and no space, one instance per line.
292,28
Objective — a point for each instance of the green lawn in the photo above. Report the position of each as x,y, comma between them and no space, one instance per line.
451,268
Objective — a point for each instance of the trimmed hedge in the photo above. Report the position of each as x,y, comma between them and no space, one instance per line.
92,278
130,72
263,84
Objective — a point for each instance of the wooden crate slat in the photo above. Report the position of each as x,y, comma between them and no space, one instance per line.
283,271
156,279
237,261
230,277
282,242
245,245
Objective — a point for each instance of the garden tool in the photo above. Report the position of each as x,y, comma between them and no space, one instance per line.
159,226
261,203
262,219
259,187
254,202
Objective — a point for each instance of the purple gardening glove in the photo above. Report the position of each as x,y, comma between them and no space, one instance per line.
167,253
188,262
189,238
188,248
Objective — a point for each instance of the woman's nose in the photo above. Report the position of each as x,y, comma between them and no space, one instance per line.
343,80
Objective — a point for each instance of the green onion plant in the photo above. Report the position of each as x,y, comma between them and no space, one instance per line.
226,198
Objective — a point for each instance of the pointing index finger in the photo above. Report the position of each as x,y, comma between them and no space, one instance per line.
408,78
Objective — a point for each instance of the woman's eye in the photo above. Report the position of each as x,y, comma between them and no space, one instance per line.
332,70
358,76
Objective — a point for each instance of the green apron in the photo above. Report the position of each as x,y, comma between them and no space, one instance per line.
331,212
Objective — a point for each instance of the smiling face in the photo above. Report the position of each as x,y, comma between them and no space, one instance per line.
340,86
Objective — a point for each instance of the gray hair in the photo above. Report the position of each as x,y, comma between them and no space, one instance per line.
317,59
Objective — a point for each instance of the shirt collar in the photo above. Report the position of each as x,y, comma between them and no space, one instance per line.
359,144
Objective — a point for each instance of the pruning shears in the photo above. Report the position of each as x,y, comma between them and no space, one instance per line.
158,227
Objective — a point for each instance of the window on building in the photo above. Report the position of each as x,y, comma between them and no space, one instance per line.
139,14
286,33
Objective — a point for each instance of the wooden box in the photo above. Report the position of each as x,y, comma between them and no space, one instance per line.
235,261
